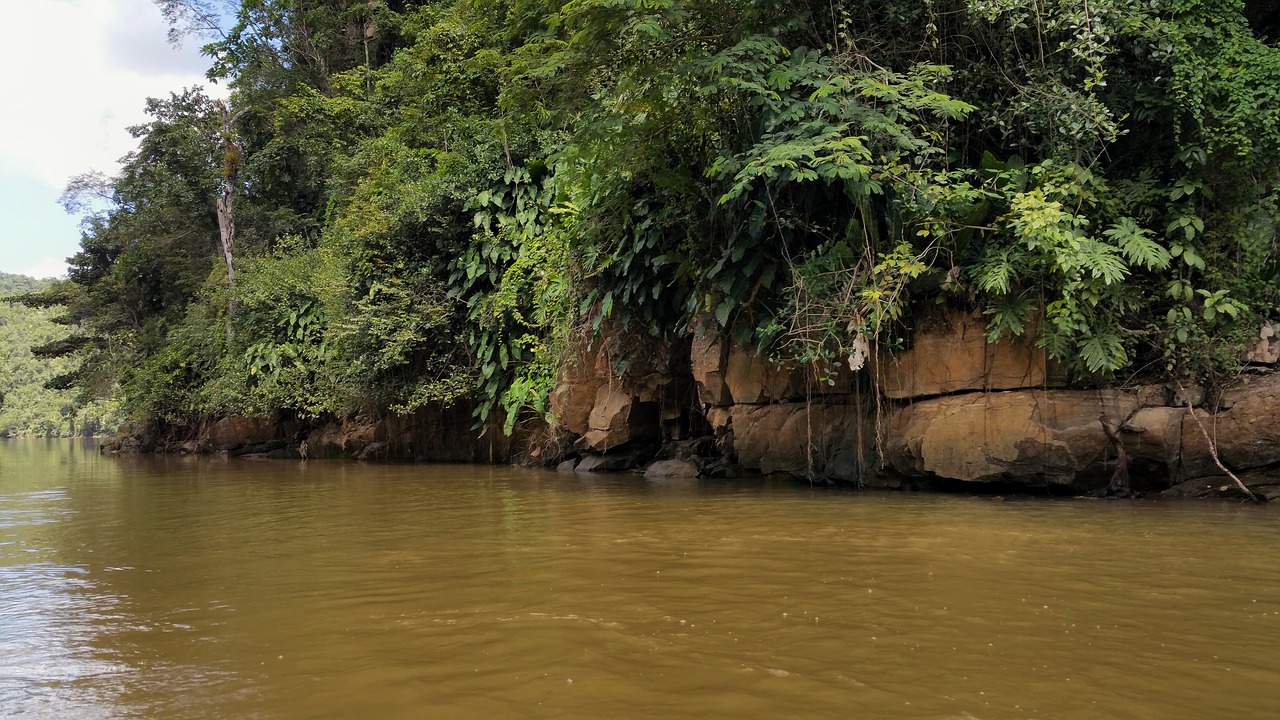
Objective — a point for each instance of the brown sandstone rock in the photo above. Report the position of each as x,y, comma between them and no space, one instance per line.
726,374
753,380
342,439
622,389
950,354
1247,435
236,432
671,469
707,358
777,438
609,415
572,402
1036,437
1153,439
617,418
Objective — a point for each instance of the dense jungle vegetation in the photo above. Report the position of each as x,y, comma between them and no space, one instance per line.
27,407
403,203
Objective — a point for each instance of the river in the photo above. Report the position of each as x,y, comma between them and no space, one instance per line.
211,588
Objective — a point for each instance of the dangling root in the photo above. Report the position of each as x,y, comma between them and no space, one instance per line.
1119,485
1213,450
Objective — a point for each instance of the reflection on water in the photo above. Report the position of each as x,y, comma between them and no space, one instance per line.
185,588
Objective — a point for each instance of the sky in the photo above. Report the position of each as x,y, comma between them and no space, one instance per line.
76,74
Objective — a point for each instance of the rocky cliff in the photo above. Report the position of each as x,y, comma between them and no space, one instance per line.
953,411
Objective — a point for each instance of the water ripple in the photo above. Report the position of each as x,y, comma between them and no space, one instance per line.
183,588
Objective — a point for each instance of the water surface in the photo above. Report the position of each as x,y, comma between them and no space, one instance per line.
205,588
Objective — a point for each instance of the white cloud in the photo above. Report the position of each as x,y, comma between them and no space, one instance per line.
77,73
47,267
136,41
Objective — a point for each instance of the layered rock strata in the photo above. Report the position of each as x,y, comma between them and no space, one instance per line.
952,411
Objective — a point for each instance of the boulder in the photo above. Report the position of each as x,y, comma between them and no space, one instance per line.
605,463
573,400
671,469
609,424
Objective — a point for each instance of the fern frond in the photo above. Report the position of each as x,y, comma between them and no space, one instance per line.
1138,245
1103,261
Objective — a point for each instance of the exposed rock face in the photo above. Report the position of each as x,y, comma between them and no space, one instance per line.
573,400
1036,437
432,433
950,353
618,417
805,439
1046,438
1247,431
962,410
708,358
820,422
226,436
343,439
726,374
1153,437
754,380
234,433
793,418
623,392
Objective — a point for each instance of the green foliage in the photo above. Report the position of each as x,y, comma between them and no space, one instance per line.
436,196
28,406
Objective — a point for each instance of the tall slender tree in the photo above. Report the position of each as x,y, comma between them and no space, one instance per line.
232,159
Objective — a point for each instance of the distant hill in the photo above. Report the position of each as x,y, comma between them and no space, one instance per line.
18,284
27,408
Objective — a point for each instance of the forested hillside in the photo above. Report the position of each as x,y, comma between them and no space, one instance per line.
27,407
405,203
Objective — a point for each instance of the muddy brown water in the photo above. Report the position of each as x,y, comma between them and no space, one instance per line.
203,588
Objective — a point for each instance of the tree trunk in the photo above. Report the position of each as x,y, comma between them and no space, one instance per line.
232,157
227,233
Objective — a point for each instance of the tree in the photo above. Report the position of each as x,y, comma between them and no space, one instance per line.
232,158
428,197
198,18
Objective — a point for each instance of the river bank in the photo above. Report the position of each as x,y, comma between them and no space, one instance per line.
952,412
